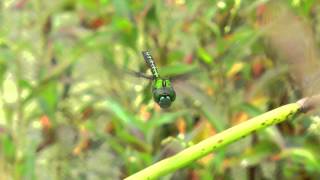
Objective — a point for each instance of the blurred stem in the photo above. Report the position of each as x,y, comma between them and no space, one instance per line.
217,141
253,170
61,68
19,98
233,13
18,127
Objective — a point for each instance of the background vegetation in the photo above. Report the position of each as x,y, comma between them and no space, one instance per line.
70,109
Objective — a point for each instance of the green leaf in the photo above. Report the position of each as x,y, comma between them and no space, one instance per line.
91,5
5,57
48,99
258,153
8,147
126,117
104,2
125,30
177,69
25,84
302,155
250,109
204,55
122,7
164,118
26,167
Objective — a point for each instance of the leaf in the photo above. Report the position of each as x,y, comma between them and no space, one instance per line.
25,84
302,155
121,7
164,118
177,69
126,117
104,2
258,153
48,99
8,147
125,30
26,167
91,5
5,58
204,55
235,69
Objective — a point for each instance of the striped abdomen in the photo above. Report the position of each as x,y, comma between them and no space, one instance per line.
149,60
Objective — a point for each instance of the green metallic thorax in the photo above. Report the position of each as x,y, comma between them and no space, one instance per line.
160,83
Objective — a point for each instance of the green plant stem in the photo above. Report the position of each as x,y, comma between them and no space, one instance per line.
213,143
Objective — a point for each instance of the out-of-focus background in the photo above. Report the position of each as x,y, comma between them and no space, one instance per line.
70,109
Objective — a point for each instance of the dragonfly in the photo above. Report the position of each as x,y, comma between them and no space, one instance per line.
162,89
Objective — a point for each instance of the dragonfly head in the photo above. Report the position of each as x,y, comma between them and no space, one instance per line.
165,101
163,93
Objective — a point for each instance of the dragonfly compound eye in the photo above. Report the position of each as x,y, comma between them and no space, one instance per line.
165,101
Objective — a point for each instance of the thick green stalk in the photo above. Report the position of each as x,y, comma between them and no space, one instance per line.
209,145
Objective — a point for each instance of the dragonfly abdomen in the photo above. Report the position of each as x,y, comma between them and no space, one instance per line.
149,60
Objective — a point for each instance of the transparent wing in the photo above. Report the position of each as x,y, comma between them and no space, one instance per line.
294,42
139,74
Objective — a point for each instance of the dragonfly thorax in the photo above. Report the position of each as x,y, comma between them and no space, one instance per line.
163,92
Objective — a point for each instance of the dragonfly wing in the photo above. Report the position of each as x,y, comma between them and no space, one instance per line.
184,76
180,71
120,71
140,75
293,41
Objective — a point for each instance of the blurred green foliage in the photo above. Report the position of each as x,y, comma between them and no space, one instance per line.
70,110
